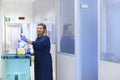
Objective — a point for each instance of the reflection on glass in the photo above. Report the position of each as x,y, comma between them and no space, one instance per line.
65,27
110,30
67,39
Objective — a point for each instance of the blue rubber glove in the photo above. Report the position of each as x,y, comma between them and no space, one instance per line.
23,38
28,51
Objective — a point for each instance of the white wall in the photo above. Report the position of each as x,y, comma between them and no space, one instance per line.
0,35
66,68
43,9
109,71
17,10
0,24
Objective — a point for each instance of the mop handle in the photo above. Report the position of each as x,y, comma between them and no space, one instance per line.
5,51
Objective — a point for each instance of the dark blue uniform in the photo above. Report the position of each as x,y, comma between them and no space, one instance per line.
43,61
67,44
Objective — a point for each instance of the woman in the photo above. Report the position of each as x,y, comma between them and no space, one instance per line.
43,60
67,39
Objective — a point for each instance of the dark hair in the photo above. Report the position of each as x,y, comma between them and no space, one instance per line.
65,27
42,24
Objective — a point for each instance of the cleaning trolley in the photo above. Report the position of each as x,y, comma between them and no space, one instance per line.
15,65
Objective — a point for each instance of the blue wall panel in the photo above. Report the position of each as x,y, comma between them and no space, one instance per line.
89,40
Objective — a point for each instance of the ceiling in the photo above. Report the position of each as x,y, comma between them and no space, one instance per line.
18,1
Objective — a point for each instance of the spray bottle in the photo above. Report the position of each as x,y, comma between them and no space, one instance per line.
21,49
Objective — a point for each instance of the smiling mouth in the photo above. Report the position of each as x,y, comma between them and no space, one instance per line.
38,31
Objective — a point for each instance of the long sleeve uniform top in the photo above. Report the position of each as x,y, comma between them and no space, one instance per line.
43,61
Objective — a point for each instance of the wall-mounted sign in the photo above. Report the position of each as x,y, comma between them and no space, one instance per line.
21,18
7,19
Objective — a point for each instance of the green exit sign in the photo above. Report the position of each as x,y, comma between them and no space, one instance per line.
8,19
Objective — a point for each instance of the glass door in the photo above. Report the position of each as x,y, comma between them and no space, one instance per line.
110,30
13,31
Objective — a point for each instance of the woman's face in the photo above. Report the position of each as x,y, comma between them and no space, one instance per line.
40,30
70,30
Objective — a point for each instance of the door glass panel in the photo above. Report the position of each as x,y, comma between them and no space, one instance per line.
65,28
110,30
